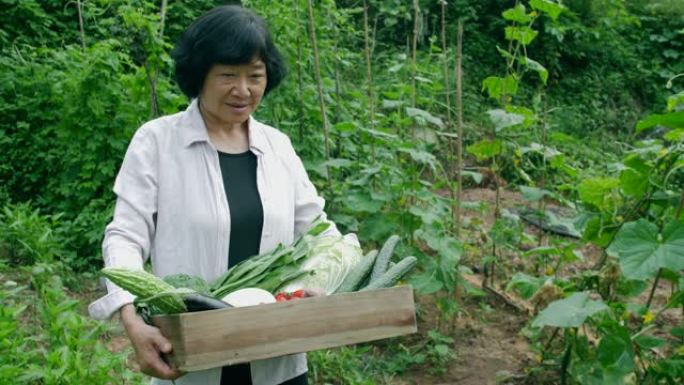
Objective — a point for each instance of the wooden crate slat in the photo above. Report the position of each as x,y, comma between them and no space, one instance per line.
223,337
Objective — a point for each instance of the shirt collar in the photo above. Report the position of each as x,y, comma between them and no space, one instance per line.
195,130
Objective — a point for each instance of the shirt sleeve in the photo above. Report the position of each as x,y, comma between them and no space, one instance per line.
128,237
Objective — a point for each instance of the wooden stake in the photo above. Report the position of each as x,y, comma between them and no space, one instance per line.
446,64
162,17
80,24
319,84
459,126
300,93
153,73
416,12
369,78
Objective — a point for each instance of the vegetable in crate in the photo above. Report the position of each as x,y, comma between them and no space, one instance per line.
187,281
149,287
358,274
330,259
313,260
393,275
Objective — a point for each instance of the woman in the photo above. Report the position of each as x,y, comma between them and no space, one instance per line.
203,189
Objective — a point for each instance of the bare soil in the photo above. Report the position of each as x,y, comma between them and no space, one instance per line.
487,345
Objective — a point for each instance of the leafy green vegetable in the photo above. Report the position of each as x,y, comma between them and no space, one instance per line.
188,281
331,259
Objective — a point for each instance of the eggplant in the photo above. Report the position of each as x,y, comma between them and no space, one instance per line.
201,302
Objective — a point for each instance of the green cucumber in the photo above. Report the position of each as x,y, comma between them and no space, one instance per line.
384,256
393,275
356,276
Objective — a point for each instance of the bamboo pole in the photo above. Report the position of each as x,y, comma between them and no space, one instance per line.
459,126
369,78
80,24
300,93
162,17
447,90
414,47
153,73
319,84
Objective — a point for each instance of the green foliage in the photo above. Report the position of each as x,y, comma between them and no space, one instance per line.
642,250
569,312
550,96
59,345
27,237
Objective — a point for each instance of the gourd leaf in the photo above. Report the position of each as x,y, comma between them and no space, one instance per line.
422,115
615,353
534,194
503,119
485,149
548,7
523,34
598,192
537,67
525,285
496,86
669,120
569,312
517,14
642,251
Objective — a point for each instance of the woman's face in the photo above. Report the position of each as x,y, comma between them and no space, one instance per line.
232,92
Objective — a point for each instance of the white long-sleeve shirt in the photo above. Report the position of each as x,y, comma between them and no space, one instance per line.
171,207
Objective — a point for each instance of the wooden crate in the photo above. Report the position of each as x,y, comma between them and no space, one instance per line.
215,338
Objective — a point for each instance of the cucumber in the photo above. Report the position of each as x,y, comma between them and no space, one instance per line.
384,256
393,275
143,284
356,276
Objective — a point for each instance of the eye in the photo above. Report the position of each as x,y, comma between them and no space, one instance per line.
257,75
228,74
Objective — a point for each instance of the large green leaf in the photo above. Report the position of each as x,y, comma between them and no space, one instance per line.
548,7
497,87
523,34
569,312
424,116
485,149
525,285
642,251
598,192
616,355
517,14
537,67
535,194
670,120
503,119
633,183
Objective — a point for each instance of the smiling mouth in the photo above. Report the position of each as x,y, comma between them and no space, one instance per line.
238,106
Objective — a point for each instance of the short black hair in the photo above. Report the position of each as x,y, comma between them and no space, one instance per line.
229,35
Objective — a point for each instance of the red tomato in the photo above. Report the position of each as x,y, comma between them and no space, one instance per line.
299,294
280,297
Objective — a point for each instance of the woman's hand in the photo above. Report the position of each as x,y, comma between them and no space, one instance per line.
149,344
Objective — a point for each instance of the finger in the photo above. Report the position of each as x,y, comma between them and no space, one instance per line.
162,344
160,369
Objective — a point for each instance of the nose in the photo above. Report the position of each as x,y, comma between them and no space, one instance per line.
241,87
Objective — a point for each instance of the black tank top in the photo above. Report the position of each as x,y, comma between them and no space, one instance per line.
246,223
